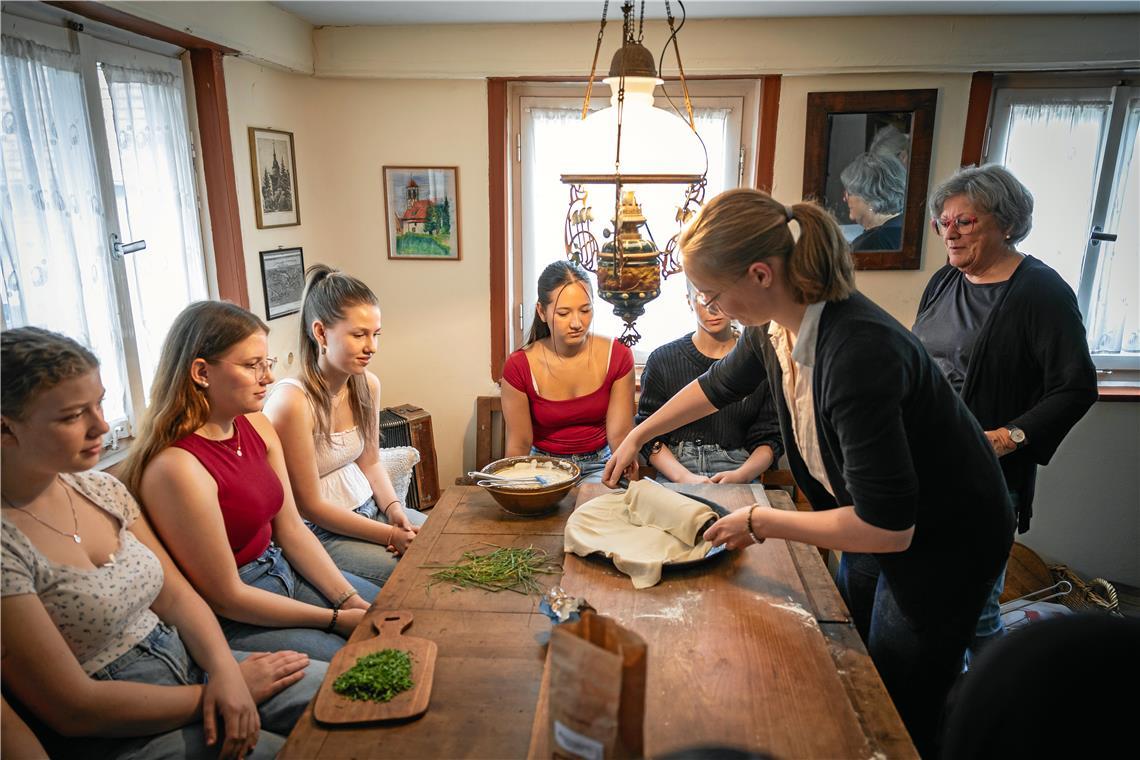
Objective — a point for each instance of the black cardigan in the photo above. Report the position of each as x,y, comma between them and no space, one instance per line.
1029,367
898,444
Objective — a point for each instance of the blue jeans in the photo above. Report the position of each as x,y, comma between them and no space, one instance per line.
918,660
990,628
272,572
705,459
592,463
161,659
362,558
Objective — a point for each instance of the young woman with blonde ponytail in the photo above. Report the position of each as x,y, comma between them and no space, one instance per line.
328,420
209,470
867,420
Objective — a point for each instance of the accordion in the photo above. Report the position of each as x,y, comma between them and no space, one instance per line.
409,425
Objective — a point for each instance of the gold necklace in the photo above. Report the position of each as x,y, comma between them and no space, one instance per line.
74,536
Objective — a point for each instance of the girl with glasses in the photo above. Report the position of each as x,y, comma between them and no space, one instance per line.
209,468
107,648
867,420
328,420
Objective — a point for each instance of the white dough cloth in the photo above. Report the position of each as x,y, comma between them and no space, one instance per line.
640,529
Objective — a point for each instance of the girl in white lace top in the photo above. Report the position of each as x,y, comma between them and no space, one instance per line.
328,422
103,637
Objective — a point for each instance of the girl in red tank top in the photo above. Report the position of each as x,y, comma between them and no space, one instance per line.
567,392
209,470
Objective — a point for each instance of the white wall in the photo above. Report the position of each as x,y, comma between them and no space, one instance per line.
435,351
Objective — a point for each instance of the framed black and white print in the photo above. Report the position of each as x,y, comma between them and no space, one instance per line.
283,281
274,166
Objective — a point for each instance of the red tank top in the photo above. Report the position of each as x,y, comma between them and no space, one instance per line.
249,491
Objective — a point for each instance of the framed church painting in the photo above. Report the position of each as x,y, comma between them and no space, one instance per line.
422,210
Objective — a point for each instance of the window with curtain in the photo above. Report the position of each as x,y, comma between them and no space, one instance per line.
96,147
546,124
1085,198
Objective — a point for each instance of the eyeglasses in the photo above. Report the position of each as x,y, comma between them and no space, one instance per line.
709,304
261,368
964,224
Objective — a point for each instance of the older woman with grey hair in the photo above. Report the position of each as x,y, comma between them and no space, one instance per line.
874,187
1006,331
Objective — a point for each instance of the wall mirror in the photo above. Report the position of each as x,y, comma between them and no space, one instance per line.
867,161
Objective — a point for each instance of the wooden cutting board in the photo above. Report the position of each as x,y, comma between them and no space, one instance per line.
331,707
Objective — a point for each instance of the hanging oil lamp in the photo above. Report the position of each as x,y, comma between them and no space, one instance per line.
641,139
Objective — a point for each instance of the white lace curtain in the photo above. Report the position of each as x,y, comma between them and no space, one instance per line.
53,239
145,114
546,201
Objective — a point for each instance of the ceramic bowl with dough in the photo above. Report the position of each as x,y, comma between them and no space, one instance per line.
532,499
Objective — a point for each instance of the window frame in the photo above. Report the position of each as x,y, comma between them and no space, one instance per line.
1119,89
120,48
759,101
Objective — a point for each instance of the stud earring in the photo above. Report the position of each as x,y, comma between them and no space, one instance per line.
324,350
203,386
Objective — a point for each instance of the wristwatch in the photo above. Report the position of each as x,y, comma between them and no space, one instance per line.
1017,435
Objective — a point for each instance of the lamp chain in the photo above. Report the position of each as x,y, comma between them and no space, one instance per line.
594,65
680,66
641,26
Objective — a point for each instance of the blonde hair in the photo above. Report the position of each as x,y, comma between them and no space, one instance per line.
328,293
740,227
178,407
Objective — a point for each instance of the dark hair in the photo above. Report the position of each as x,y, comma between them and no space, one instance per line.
35,360
178,407
328,292
553,279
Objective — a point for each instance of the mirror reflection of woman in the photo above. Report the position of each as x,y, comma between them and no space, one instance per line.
736,444
874,187
867,419
567,393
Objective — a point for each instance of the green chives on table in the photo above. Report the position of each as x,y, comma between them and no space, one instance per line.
376,677
504,569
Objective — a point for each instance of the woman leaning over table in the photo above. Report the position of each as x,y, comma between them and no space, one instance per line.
106,646
209,470
866,419
1006,331
567,393
328,420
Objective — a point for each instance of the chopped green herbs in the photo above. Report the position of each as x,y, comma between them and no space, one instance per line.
376,677
504,569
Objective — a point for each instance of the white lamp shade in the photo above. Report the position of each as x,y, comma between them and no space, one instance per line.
653,141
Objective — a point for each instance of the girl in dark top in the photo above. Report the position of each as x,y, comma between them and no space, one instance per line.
209,469
736,444
567,392
1006,331
867,421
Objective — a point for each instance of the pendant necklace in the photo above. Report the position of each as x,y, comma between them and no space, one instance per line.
237,437
74,536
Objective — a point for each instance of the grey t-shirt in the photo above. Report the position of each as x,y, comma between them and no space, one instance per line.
949,326
101,613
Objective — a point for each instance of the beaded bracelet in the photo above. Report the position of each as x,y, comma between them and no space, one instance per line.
332,623
755,538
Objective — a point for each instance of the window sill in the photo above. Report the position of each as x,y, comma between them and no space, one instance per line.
1117,391
110,461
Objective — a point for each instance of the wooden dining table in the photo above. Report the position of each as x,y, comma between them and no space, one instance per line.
754,650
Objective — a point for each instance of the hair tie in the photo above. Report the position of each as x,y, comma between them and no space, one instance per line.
789,213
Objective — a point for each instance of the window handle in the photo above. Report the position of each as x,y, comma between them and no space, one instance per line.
1097,235
120,249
